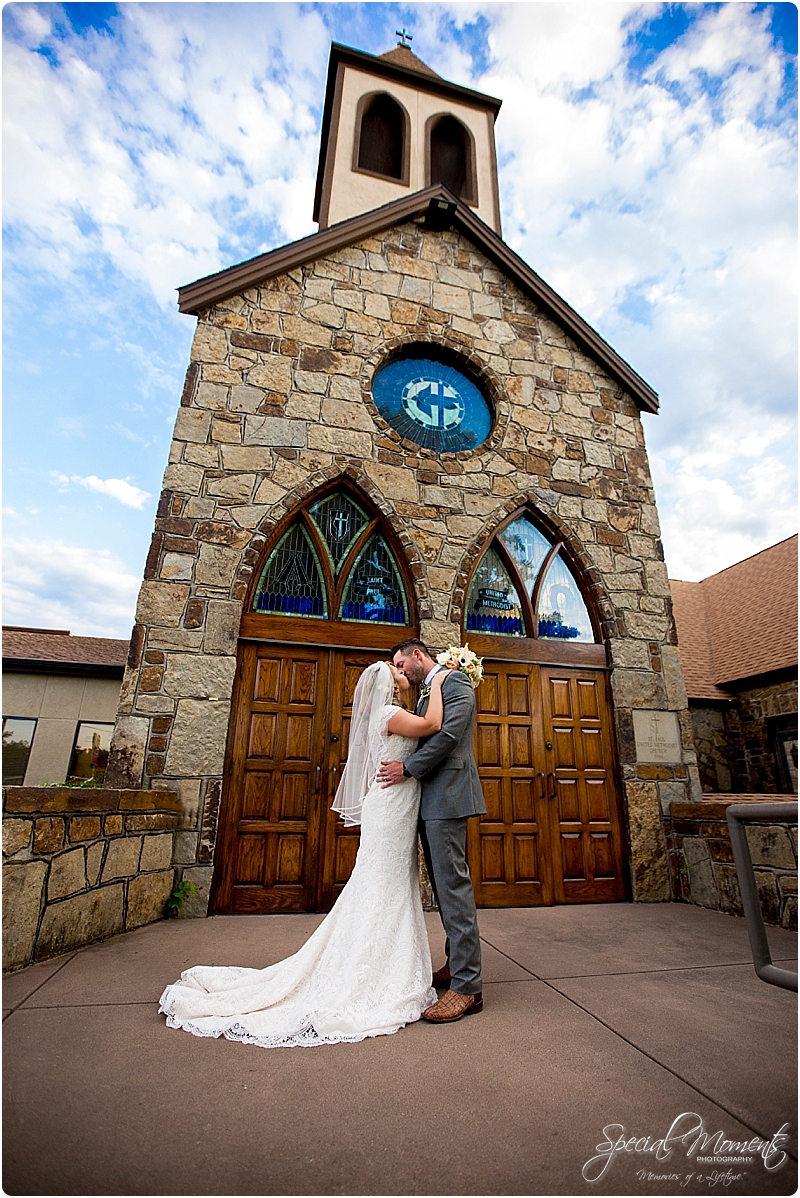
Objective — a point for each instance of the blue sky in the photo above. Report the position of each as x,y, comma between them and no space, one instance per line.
647,172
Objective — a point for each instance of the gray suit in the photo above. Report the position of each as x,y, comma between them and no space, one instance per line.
451,793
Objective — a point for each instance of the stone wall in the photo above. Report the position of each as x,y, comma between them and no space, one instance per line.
80,864
716,738
757,705
701,859
277,402
734,743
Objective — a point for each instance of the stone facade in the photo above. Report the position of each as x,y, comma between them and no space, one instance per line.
82,864
277,402
704,873
734,744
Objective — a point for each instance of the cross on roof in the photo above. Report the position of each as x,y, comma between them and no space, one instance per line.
404,37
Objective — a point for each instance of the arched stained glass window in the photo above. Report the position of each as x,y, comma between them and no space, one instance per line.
334,562
527,547
562,613
374,590
521,568
292,582
340,521
493,604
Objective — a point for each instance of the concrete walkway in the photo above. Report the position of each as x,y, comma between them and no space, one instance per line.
596,1015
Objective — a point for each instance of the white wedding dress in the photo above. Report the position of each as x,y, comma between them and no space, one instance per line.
365,971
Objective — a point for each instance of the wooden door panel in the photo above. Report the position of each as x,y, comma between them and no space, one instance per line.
487,696
293,799
601,848
599,802
299,732
255,799
489,741
523,800
572,863
520,746
567,800
303,687
566,757
269,831
592,748
560,698
263,730
586,820
267,680
493,796
493,858
526,858
507,866
588,699
518,694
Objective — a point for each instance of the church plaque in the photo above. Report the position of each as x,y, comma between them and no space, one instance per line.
657,736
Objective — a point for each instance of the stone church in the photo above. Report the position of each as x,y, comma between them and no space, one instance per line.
394,427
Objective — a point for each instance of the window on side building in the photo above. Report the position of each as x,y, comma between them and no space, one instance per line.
17,741
90,754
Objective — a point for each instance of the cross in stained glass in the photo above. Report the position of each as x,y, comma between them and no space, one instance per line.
340,524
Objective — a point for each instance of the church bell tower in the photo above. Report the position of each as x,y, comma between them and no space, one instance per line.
392,127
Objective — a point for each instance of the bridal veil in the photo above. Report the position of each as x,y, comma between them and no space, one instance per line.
373,696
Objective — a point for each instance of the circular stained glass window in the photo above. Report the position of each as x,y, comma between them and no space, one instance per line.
432,404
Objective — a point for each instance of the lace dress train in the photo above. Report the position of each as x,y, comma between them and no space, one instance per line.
365,971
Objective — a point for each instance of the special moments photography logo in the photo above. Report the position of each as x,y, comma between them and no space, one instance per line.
704,1148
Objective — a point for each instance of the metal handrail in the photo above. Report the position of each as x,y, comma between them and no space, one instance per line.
762,958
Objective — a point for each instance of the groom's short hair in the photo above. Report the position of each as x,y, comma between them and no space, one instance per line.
409,645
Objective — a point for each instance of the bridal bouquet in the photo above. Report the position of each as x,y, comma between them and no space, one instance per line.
461,657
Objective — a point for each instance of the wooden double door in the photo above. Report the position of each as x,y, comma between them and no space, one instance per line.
552,832
280,847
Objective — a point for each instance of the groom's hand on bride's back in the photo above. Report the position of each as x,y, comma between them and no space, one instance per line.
390,773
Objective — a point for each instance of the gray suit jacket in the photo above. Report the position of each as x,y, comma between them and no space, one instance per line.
444,762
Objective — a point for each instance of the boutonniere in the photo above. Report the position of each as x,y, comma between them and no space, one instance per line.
424,690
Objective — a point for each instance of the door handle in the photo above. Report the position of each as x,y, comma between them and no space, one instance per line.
316,780
553,795
543,795
333,784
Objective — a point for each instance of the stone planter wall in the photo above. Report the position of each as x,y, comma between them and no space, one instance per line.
82,864
701,858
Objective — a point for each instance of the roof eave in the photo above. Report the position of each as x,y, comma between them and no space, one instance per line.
195,297
70,669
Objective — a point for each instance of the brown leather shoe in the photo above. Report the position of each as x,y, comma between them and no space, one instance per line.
453,1006
441,977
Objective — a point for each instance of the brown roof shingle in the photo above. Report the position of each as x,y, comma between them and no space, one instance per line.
51,645
404,56
694,640
740,622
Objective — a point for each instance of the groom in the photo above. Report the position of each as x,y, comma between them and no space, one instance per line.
451,793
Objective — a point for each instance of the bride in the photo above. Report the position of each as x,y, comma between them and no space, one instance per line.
366,970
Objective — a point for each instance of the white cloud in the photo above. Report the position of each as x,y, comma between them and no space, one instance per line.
157,149
663,208
117,488
659,203
67,586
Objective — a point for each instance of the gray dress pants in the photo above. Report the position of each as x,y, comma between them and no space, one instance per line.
444,843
